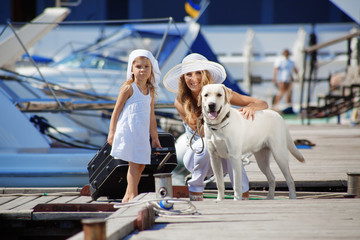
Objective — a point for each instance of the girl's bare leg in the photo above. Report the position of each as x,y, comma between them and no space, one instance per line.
133,179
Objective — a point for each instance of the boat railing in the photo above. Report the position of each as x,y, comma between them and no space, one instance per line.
311,79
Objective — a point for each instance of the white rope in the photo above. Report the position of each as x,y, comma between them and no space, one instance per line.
188,209
179,206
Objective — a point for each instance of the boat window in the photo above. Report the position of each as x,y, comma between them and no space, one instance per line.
121,48
72,61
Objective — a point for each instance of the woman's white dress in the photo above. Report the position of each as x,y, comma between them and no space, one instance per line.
132,135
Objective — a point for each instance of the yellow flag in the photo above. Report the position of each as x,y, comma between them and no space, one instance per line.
192,9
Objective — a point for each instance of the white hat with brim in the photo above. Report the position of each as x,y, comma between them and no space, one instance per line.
191,63
144,53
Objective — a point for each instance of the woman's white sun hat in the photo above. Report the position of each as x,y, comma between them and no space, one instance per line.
144,53
191,63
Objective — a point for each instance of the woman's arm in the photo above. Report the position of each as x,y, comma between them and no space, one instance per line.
125,92
181,110
249,104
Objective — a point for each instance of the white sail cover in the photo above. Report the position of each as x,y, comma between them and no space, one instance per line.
349,7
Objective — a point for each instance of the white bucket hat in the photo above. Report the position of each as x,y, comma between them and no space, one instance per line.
144,53
191,63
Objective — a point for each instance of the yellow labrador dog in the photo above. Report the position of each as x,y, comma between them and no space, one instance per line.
229,135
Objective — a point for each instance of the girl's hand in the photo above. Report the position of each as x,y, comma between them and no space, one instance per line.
248,112
155,143
110,138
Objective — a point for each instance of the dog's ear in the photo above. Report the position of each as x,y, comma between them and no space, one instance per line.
228,93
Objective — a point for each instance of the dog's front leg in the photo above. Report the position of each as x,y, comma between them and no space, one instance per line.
217,167
236,165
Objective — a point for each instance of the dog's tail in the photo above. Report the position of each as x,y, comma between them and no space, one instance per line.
292,148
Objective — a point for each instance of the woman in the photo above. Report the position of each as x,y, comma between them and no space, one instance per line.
187,79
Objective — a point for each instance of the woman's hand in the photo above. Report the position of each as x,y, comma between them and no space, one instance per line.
248,112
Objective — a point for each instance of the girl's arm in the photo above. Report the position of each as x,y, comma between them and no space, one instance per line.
249,104
125,92
155,142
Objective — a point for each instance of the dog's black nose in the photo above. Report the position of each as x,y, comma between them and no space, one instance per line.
212,106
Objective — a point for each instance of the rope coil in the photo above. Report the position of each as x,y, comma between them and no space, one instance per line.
198,130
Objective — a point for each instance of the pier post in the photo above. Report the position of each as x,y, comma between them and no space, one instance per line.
94,229
353,184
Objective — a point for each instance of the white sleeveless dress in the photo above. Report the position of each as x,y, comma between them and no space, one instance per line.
132,135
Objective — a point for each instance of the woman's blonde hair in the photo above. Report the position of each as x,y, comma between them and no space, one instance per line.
192,110
150,82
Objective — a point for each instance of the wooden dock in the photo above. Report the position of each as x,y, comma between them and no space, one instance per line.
336,152
28,212
311,216
273,219
320,215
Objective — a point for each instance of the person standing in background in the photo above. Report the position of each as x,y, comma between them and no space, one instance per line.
282,78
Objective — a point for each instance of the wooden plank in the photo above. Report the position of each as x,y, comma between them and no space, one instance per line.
63,199
68,215
24,214
34,202
5,199
81,199
17,202
33,190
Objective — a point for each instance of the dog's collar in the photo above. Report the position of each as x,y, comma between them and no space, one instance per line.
213,126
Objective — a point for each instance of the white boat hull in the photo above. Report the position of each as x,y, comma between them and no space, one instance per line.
65,168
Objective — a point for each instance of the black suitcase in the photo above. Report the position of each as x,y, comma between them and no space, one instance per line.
107,175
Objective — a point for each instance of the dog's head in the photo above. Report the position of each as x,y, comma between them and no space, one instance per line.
215,101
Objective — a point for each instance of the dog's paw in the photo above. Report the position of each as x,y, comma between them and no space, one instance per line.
219,198
270,198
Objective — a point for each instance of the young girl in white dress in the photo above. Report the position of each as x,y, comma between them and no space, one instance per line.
133,119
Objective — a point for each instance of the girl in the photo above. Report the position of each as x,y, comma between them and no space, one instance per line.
187,79
134,116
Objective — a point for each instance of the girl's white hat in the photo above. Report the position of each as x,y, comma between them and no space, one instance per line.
144,53
191,63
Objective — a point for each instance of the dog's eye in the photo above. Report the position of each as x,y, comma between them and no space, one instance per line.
219,95
205,95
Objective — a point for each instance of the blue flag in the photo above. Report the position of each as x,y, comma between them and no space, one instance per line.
192,9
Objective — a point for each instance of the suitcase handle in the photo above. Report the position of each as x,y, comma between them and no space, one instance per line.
163,149
166,158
